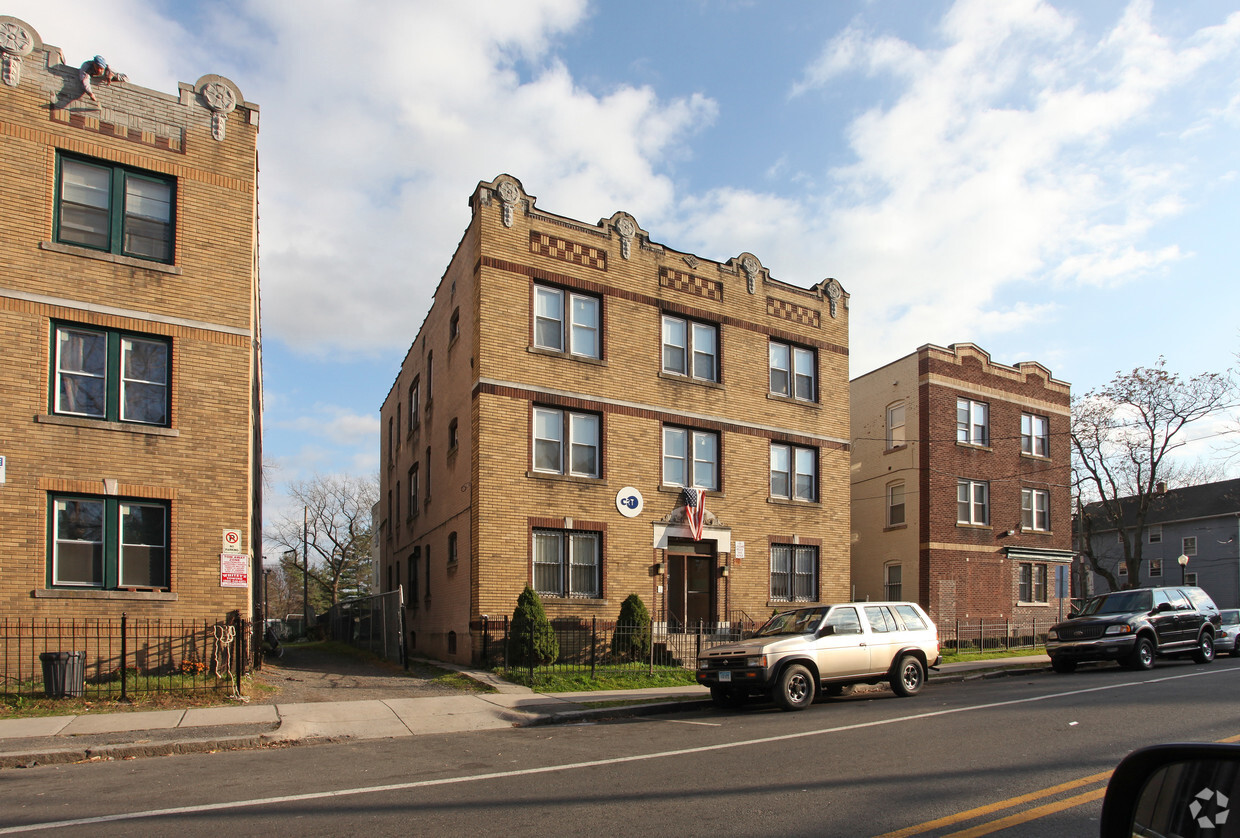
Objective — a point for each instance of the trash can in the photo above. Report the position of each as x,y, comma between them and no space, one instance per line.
63,674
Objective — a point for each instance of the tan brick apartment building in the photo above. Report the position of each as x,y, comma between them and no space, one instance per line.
568,381
129,343
960,485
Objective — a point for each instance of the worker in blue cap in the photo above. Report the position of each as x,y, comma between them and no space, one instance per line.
97,69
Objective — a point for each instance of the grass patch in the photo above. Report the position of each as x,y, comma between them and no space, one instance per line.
619,679
27,707
961,657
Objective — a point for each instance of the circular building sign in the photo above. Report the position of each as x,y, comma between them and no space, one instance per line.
630,502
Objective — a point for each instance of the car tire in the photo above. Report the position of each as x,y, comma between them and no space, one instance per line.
908,677
725,698
1063,665
795,690
1205,648
1142,656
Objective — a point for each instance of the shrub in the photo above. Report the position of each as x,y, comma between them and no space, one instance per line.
532,640
632,637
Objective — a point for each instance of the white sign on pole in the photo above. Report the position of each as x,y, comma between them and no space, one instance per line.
232,541
234,570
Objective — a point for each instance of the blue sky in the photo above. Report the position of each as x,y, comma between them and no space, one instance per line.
1054,181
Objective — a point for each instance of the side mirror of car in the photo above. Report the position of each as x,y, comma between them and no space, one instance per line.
825,631
1173,790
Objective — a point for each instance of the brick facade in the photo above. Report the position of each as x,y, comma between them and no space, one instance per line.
962,569
200,464
492,375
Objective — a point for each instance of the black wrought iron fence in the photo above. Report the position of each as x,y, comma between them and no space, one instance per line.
992,635
591,645
117,658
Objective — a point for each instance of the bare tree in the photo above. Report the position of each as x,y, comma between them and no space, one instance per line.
1124,439
336,510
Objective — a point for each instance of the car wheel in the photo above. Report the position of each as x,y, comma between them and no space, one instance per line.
722,697
1205,648
1063,665
795,690
908,677
1142,656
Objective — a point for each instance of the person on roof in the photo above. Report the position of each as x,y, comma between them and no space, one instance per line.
97,69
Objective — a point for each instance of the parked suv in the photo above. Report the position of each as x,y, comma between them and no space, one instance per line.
1135,626
798,653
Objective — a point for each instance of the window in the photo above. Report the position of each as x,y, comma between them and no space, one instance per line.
115,209
453,439
415,404
1035,435
1033,583
413,490
895,506
1190,579
454,325
1156,568
972,422
109,542
398,425
565,321
430,372
794,573
881,619
397,518
567,563
794,472
1035,507
581,430
893,582
1123,569
895,425
690,349
428,476
391,524
452,554
391,444
972,502
690,458
1188,546
912,619
1155,534
111,375
793,372
428,575
414,576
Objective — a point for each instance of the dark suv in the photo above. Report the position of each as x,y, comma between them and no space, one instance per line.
1135,626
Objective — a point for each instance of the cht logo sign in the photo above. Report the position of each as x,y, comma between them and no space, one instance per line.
629,502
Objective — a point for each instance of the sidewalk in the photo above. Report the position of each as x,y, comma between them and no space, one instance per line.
63,739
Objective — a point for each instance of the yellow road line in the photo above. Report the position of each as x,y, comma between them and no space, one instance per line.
1030,814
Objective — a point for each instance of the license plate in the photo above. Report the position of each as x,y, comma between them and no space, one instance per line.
725,676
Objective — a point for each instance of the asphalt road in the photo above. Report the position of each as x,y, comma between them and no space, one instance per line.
1018,756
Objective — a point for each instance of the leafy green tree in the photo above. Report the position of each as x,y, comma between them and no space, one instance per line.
632,637
531,640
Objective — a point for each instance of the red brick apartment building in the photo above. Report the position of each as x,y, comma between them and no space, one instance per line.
130,425
569,382
960,485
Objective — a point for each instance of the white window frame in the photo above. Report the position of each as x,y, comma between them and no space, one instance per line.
794,573
1156,568
1035,435
1188,545
797,466
1035,510
893,581
896,499
972,422
575,566
687,450
896,418
564,313
113,374
793,371
576,435
973,496
688,339
1154,533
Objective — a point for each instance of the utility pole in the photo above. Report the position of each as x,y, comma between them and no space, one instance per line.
305,573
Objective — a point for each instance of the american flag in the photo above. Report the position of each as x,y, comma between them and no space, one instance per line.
695,511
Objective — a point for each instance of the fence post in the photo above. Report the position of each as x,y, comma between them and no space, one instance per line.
124,655
651,670
594,643
239,641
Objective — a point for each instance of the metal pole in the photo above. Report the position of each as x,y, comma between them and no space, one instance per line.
124,655
305,574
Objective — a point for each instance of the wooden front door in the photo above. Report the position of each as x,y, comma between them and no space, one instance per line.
690,594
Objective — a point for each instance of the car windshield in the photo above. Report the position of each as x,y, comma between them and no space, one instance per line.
1120,602
800,621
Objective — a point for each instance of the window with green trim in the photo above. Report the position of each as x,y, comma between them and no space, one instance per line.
111,375
108,543
113,208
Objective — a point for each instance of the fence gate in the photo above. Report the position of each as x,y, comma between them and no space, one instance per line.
374,623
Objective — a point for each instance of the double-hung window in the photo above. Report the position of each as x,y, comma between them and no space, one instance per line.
972,502
690,458
108,542
1035,435
1035,509
972,422
565,321
893,582
1188,545
1033,583
567,563
794,472
895,425
566,442
793,371
690,348
794,573
114,208
895,507
110,375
